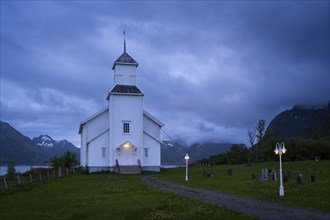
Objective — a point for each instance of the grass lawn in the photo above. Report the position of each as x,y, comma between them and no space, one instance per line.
308,195
105,196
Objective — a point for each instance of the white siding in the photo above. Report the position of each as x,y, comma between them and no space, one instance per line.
95,151
94,135
125,75
125,108
153,146
97,126
151,127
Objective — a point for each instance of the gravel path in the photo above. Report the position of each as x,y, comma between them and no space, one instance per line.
263,209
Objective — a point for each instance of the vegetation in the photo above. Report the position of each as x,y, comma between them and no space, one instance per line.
11,171
308,194
106,196
67,160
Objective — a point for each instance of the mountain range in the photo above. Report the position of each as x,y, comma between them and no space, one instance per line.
17,148
301,121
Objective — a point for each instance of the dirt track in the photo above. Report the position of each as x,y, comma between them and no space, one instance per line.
263,209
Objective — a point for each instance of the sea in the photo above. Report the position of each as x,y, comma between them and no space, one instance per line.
20,169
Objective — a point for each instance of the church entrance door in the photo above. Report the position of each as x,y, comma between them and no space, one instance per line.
126,154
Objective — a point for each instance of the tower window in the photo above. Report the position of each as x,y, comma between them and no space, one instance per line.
126,129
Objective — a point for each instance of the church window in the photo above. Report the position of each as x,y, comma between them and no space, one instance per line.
104,150
146,152
126,128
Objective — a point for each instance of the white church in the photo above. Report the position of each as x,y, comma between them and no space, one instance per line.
123,137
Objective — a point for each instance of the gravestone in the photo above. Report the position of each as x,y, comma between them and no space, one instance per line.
313,178
299,179
229,172
274,175
208,174
264,174
212,175
253,176
288,174
204,173
285,179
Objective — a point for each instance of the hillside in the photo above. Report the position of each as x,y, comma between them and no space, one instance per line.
17,148
301,121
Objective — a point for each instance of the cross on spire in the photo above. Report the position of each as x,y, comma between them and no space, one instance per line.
124,41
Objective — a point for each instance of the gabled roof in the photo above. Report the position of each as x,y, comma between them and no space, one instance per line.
153,118
91,117
125,59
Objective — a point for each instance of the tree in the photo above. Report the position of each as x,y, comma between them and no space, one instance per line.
251,136
260,129
11,171
260,133
238,154
67,160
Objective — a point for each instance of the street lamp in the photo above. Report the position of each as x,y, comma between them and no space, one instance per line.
186,157
280,149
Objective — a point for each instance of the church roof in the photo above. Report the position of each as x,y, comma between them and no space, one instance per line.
125,89
125,59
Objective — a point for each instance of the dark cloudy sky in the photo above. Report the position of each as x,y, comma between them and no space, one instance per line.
209,70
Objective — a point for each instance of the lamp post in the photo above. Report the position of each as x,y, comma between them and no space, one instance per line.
186,157
280,149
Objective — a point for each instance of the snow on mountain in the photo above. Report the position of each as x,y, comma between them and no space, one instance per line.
44,141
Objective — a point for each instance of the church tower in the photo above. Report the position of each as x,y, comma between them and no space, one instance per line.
126,113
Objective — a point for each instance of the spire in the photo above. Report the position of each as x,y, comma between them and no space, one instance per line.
124,41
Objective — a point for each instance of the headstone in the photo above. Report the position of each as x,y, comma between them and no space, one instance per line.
253,176
274,175
4,180
59,172
288,173
285,179
313,178
208,174
229,172
212,175
264,174
299,179
204,172
18,180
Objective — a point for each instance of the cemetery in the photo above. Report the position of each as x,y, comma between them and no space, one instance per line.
304,182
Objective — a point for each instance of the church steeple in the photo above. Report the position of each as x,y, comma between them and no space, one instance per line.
125,68
125,59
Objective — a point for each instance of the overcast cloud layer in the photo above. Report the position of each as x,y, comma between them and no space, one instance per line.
209,70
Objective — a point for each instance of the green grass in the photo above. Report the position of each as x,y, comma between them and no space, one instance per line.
105,196
307,195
